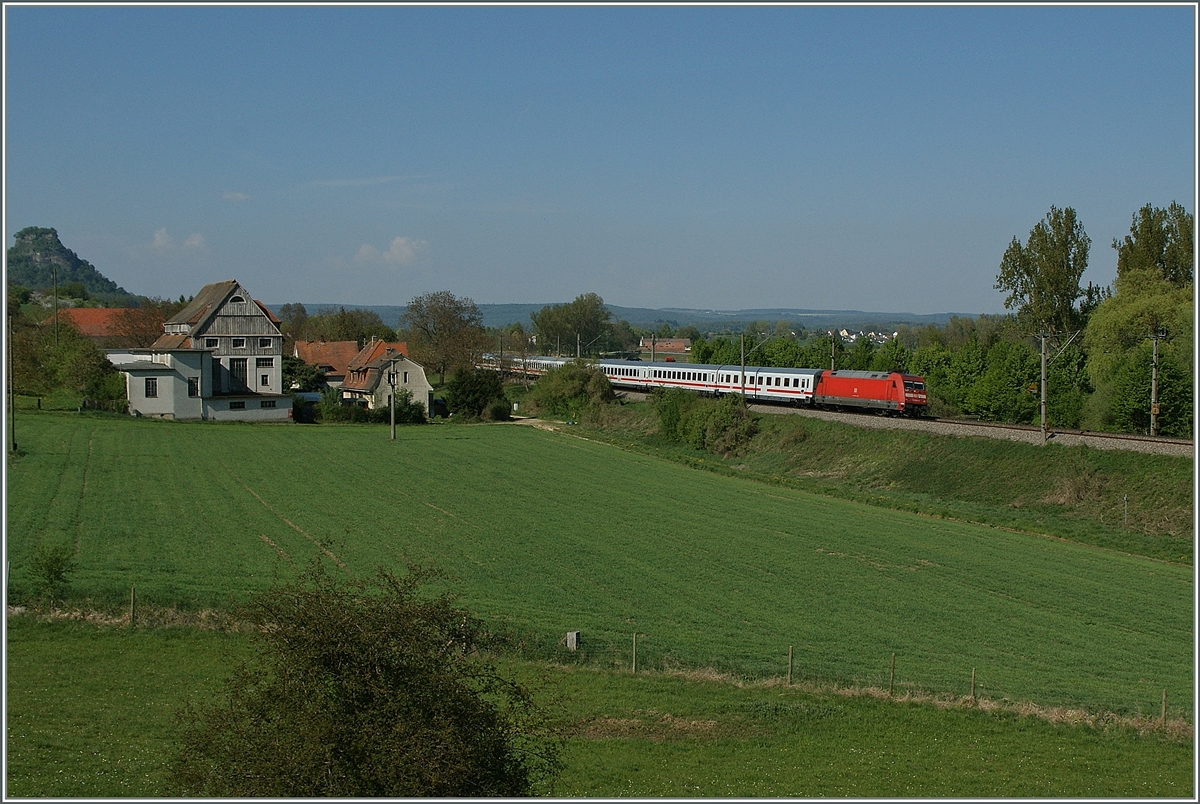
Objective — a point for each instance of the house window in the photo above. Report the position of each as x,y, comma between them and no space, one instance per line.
264,379
211,343
264,362
406,378
193,386
238,372
239,343
240,405
264,343
267,403
151,387
236,300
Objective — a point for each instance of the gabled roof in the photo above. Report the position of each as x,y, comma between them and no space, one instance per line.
93,322
375,350
336,354
206,303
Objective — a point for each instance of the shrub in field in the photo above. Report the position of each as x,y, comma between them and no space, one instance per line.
363,689
570,389
670,404
50,564
498,411
721,426
472,391
331,409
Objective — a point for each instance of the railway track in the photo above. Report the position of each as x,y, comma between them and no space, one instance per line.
1012,432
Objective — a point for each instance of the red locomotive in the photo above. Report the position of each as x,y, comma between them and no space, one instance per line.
885,392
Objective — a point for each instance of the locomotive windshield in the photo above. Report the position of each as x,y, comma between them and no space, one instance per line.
913,385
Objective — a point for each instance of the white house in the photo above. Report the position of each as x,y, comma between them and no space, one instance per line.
368,373
220,357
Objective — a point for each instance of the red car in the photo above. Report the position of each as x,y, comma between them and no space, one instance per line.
880,391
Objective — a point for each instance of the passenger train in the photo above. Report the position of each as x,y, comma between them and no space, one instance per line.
884,392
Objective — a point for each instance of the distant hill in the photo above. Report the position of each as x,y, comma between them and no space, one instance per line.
37,252
500,315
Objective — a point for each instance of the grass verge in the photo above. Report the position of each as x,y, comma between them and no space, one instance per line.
91,715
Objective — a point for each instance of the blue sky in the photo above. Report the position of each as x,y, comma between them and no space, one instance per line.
873,158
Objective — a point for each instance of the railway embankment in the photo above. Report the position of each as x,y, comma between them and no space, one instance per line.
1136,499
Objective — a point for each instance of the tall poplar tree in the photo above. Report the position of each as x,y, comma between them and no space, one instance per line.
1042,276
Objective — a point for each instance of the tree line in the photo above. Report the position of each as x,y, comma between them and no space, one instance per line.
1100,340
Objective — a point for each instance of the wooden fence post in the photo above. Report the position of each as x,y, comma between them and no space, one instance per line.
892,679
635,652
1164,711
789,681
132,606
972,683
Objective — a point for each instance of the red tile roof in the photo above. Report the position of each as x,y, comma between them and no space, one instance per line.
93,322
336,354
377,349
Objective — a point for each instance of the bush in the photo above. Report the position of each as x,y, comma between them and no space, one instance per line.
721,426
570,388
363,689
498,411
670,405
50,564
471,391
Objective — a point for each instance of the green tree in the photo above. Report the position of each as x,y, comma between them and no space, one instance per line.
1153,295
1159,240
1007,389
363,689
965,368
300,376
891,356
578,325
862,354
1130,399
1042,276
445,332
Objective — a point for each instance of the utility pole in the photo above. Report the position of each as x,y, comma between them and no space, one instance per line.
653,343
1154,386
12,404
832,351
743,365
578,348
54,272
391,378
1042,405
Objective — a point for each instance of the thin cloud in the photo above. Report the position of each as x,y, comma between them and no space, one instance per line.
361,182
162,240
233,197
401,251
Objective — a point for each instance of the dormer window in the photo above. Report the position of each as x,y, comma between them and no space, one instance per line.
236,300
239,343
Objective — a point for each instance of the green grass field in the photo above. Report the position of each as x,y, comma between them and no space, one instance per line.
90,714
544,533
